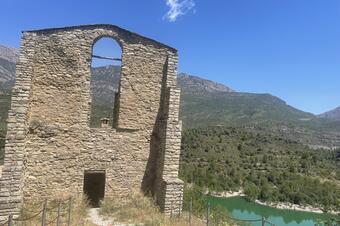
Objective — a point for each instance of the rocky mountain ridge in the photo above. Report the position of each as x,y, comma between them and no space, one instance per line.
197,85
332,114
8,59
104,84
8,53
206,103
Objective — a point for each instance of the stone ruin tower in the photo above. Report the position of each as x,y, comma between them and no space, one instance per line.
50,147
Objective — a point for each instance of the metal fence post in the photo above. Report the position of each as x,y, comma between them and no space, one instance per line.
69,211
58,217
208,214
263,220
43,216
190,210
171,209
10,220
179,205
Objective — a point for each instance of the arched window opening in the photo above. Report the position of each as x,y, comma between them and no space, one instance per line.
105,80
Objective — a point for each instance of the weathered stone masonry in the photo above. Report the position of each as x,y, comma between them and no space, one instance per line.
49,144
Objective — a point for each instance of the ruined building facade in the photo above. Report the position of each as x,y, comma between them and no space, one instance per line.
50,147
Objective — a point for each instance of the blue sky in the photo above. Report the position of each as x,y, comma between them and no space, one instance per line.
289,48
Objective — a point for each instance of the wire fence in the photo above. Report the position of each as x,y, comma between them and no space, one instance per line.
208,218
66,207
56,212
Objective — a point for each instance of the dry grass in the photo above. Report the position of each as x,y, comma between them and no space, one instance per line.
135,209
140,210
31,213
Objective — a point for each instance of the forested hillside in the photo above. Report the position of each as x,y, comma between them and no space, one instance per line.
4,107
267,167
258,112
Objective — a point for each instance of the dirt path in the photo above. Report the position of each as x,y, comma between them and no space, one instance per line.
96,219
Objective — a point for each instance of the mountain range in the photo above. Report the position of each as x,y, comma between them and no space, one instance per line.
332,114
206,103
8,58
262,113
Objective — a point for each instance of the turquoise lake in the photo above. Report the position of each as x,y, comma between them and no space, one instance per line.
240,208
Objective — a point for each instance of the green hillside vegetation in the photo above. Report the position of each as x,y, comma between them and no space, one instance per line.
236,108
257,112
219,108
97,113
4,107
267,167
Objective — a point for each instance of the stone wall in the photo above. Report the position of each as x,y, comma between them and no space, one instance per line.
49,144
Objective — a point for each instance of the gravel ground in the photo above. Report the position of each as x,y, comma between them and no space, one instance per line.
95,218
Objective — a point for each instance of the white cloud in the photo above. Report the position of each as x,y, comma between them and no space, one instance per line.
178,8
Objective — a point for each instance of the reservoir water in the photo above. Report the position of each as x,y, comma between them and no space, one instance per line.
240,208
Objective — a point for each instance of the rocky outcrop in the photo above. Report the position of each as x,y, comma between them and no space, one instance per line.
197,85
8,59
332,114
104,84
8,53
